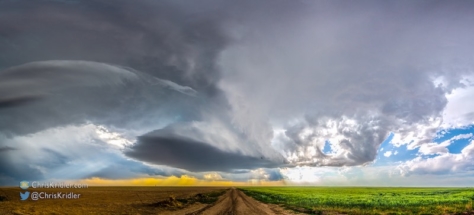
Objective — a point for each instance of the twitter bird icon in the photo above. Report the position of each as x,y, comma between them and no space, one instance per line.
24,196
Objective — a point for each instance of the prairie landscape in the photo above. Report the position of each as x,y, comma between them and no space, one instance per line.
245,200
368,200
237,107
112,200
140,200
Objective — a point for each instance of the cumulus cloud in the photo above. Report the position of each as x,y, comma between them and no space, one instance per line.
352,142
458,112
344,66
443,164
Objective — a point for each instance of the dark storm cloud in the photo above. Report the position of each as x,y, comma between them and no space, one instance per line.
165,146
57,93
157,37
243,77
86,56
31,81
121,168
19,100
6,149
11,174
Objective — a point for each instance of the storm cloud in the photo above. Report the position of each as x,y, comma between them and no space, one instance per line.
350,74
166,87
168,147
58,93
158,37
129,67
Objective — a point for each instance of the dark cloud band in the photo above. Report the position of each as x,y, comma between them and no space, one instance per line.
168,148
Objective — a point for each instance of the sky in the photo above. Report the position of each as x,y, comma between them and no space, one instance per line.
234,93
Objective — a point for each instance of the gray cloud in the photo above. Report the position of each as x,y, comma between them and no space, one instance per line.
167,146
239,80
121,168
361,69
74,66
162,38
351,142
32,81
79,93
74,92
69,153
6,149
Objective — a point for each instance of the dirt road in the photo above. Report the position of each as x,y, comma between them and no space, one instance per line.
235,202
138,200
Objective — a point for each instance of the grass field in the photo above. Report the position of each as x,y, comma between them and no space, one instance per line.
373,200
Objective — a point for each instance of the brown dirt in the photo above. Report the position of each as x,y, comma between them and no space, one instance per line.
138,200
103,200
235,202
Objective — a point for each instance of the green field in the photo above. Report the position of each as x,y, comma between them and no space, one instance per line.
367,200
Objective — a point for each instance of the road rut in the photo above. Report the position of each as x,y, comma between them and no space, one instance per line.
235,202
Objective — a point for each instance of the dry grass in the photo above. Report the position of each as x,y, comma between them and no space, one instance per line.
106,200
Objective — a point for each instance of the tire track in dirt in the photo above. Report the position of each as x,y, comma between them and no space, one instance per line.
235,202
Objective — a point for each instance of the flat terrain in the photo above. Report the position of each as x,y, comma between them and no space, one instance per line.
245,201
109,200
139,200
367,200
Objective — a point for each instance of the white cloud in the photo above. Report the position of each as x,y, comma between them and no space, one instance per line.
353,140
112,138
459,111
461,136
433,148
304,174
468,151
416,134
441,148
214,176
371,176
387,154
442,164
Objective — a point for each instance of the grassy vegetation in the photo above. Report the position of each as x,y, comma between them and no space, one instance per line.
360,200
